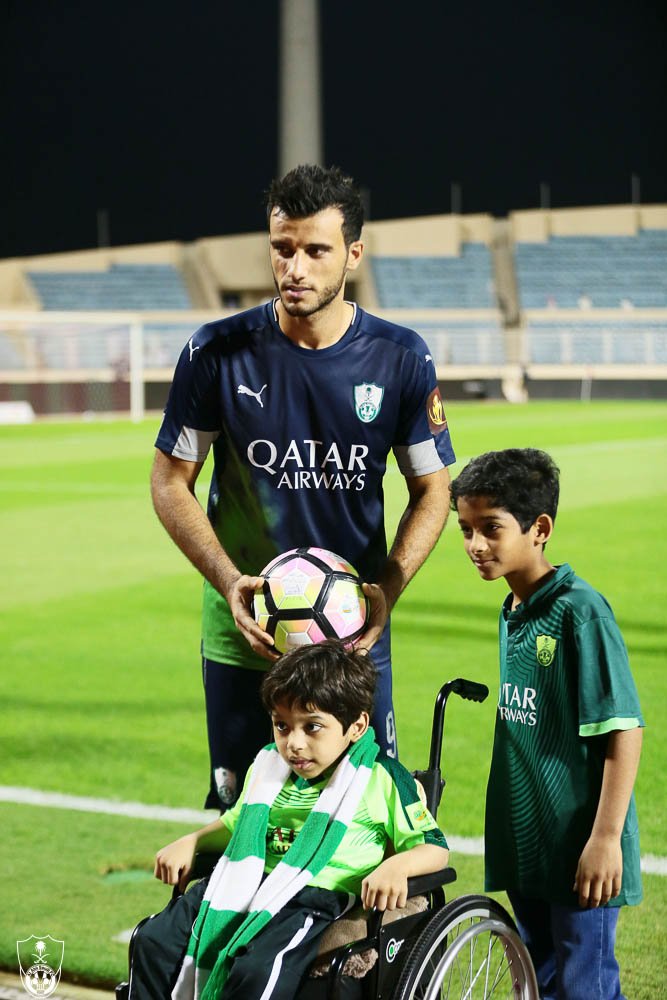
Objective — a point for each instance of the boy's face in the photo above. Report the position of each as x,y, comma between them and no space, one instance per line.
495,543
310,740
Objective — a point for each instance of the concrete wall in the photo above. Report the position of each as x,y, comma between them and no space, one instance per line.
537,225
427,236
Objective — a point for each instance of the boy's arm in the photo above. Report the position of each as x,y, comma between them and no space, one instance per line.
173,863
387,887
600,868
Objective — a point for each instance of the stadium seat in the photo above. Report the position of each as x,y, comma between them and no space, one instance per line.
123,286
464,282
601,272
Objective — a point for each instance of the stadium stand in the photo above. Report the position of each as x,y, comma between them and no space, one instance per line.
603,272
598,342
463,342
10,358
122,286
462,282
545,303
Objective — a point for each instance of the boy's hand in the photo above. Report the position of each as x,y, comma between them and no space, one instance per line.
387,887
173,863
599,872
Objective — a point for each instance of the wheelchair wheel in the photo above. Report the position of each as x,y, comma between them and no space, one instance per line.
469,949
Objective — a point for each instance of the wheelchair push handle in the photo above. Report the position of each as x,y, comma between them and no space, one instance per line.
470,690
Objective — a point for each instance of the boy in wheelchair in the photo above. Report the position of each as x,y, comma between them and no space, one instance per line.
324,819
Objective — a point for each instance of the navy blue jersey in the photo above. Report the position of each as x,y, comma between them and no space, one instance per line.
300,440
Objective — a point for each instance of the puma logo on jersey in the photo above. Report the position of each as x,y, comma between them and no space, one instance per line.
192,348
243,390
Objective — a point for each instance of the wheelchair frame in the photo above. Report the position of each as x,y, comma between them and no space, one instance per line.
466,948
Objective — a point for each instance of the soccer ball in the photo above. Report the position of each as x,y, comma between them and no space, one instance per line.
310,594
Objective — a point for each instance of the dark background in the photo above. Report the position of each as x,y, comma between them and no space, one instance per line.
165,114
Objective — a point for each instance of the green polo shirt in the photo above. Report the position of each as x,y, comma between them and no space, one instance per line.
389,811
565,683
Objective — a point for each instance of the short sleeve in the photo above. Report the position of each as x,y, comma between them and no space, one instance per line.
423,444
192,420
608,698
409,823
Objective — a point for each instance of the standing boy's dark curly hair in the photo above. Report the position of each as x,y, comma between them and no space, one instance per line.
326,676
523,481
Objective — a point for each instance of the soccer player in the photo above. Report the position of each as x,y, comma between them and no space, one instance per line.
561,824
309,836
301,399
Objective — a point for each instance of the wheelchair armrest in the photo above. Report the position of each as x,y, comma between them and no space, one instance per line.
421,885
205,862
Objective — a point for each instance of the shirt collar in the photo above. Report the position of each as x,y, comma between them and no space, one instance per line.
543,594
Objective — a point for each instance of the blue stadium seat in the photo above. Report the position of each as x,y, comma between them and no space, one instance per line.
464,282
123,286
463,343
9,356
607,271
621,341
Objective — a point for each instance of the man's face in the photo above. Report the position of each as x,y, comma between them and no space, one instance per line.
309,259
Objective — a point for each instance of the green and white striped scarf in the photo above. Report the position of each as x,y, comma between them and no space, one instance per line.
237,904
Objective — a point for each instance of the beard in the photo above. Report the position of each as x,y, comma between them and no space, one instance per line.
322,299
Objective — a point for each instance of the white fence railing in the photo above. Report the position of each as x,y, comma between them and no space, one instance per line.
87,362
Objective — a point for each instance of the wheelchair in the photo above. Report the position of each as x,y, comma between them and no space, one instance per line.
464,949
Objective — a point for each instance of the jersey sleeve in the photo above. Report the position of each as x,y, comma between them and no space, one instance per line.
192,420
423,444
409,823
608,698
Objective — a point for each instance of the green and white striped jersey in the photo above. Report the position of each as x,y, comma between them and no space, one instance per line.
390,811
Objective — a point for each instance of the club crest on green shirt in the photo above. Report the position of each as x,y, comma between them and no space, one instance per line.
368,400
419,816
546,650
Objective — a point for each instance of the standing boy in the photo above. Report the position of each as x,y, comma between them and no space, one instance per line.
301,400
307,837
561,826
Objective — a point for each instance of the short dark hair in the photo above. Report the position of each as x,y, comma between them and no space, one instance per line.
327,676
523,481
308,189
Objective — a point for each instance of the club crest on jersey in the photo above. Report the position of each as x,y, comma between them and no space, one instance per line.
368,400
435,411
39,977
546,650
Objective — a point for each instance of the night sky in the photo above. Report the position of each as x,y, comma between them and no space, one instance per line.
165,114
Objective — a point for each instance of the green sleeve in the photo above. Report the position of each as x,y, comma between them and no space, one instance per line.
409,822
608,697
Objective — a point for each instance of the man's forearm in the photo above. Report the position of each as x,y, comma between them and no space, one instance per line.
419,529
182,516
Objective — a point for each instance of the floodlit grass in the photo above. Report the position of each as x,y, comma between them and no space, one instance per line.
101,690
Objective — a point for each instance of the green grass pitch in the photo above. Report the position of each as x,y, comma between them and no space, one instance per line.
100,687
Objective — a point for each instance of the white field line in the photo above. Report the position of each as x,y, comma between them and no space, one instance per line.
652,864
